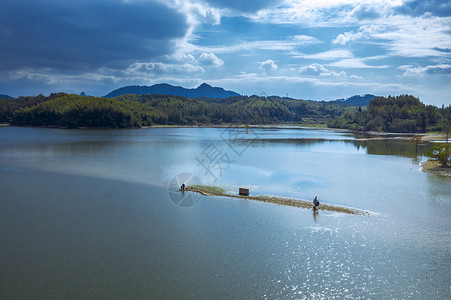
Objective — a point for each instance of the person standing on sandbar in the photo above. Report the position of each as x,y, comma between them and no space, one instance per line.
315,203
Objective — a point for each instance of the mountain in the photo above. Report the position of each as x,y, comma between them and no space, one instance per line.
6,97
204,90
358,100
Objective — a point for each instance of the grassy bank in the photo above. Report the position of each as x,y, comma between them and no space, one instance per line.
216,191
434,167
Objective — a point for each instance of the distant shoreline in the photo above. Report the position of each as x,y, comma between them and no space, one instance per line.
374,135
244,126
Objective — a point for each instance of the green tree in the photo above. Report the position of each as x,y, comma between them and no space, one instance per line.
441,152
417,139
445,125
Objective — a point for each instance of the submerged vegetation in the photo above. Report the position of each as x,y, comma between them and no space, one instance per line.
216,191
393,114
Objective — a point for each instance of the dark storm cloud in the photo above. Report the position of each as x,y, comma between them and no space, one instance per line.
243,5
84,34
441,8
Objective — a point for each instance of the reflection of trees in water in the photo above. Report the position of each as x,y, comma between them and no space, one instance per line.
393,147
271,142
70,148
438,190
82,147
372,146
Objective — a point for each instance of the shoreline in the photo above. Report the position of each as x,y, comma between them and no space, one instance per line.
245,126
425,137
292,202
373,135
434,167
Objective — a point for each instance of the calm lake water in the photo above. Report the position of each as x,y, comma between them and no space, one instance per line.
92,214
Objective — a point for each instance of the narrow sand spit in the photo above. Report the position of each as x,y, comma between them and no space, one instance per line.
214,191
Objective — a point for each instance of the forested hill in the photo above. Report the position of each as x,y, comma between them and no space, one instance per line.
73,111
404,113
393,114
358,100
5,97
204,90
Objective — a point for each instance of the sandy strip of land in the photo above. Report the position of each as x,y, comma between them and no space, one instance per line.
281,201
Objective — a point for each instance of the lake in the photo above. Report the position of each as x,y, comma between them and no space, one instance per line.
96,214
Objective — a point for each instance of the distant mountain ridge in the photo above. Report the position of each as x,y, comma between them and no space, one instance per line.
204,90
6,97
357,100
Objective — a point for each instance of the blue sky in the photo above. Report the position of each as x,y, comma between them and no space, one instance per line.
306,49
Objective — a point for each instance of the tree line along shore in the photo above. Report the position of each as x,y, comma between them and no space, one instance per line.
401,114
398,114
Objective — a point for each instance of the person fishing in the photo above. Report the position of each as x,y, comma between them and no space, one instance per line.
315,203
183,187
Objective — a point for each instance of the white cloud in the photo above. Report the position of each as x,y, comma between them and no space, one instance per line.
406,36
277,85
303,40
313,69
268,66
363,33
328,55
315,4
356,63
51,77
344,38
210,59
418,71
324,13
370,10
339,74
177,64
416,37
196,12
290,44
319,70
379,22
158,68
181,57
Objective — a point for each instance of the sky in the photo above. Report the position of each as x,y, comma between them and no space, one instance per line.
304,49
